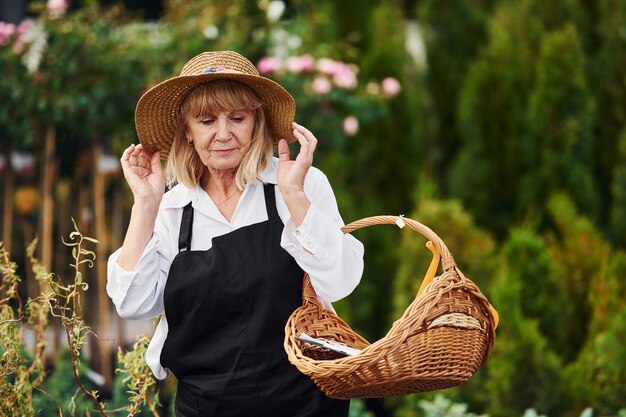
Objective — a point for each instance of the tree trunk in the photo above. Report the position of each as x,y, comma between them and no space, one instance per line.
46,218
7,214
104,333
63,199
47,184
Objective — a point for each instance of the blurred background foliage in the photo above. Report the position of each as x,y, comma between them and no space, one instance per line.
500,124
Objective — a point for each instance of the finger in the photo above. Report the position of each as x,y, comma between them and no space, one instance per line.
283,150
144,159
301,138
310,137
128,151
307,147
155,162
124,160
137,151
306,132
304,143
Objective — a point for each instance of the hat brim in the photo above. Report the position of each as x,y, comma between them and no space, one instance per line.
157,109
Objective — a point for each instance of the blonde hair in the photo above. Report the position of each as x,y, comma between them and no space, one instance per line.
184,165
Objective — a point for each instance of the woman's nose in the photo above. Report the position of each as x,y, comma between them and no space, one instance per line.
223,130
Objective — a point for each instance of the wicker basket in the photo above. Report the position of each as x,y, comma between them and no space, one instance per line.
443,338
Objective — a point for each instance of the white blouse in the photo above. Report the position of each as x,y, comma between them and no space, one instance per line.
334,260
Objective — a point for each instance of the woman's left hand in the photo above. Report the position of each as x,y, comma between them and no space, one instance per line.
291,174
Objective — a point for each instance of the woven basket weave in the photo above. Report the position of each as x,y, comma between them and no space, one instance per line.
443,338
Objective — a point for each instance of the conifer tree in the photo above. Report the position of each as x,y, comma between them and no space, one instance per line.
597,377
453,33
524,371
542,298
607,64
581,260
487,170
557,150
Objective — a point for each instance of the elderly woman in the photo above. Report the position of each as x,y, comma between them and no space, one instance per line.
221,255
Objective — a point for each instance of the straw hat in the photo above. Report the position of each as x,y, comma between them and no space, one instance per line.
155,115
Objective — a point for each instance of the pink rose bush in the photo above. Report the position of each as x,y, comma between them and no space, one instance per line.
330,92
325,73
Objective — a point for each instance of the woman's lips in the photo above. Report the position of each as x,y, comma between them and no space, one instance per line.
223,152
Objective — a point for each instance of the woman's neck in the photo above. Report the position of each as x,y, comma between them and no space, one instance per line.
220,182
222,188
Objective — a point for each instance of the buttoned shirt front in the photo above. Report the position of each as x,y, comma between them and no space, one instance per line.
334,260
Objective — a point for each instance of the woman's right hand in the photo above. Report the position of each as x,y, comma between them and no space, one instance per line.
144,175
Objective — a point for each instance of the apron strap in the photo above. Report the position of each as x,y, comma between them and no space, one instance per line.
270,201
186,224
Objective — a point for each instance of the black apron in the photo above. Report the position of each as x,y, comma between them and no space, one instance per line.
226,309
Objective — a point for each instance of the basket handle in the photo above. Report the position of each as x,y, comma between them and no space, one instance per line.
309,295
447,261
437,247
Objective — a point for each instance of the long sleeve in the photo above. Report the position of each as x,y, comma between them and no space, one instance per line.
334,260
138,294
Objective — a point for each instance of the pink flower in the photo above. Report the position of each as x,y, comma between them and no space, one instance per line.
6,31
390,86
307,62
350,125
321,85
269,64
23,26
329,67
345,78
57,8
298,64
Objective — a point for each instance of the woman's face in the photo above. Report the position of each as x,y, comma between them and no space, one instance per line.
222,139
